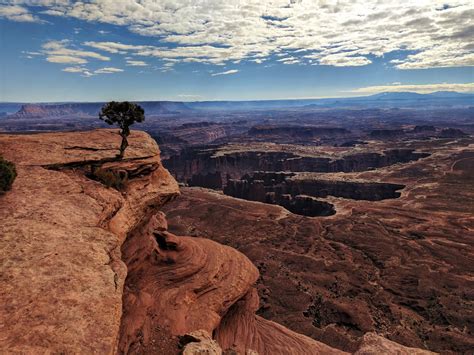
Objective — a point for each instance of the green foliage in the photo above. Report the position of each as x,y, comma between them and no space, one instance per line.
110,178
123,114
7,174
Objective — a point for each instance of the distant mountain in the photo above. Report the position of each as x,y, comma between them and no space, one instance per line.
56,110
385,100
163,107
85,109
7,108
395,96
400,100
407,95
450,94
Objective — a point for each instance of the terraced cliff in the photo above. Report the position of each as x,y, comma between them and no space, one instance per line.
88,268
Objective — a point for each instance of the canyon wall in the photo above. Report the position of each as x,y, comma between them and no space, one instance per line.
195,166
300,195
92,269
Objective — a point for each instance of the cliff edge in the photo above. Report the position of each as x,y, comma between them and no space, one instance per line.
88,268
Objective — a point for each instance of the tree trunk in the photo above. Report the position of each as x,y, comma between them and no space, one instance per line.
123,146
124,133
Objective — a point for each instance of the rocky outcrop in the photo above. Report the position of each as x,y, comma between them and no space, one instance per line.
200,342
62,275
373,344
185,284
91,269
197,280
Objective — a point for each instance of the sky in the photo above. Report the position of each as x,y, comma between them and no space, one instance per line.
194,50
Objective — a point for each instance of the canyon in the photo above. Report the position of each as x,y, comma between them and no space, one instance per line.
88,268
390,254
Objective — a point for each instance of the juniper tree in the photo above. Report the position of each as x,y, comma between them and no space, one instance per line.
123,114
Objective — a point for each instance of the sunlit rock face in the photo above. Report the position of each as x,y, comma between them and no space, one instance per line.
78,254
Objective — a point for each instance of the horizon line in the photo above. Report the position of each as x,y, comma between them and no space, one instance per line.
237,100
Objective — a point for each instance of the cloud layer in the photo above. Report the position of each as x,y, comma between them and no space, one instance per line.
434,33
422,89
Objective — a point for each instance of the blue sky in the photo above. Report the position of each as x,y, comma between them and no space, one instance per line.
219,50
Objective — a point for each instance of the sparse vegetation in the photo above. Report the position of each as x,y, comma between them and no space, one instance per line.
7,174
110,178
123,114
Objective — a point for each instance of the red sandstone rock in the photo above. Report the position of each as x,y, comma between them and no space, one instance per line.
66,240
398,267
62,277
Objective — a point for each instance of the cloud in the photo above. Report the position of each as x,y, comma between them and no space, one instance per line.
115,47
232,71
432,33
60,52
108,70
74,69
65,59
340,60
136,63
60,48
18,14
419,88
88,73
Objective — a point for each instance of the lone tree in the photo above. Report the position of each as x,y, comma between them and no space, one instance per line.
123,114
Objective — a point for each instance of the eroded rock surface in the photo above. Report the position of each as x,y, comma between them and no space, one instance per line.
62,276
68,242
399,267
184,284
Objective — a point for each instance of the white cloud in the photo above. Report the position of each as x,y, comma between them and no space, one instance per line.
65,59
74,69
419,88
60,52
108,70
232,71
339,60
136,63
88,73
60,48
436,33
115,47
17,13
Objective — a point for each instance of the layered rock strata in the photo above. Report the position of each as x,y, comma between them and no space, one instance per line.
91,269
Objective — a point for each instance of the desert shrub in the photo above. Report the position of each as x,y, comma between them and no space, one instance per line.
7,174
110,178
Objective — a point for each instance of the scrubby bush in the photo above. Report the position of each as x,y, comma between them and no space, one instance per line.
7,174
110,178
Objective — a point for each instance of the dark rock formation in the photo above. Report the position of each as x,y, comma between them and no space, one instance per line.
298,195
207,161
300,132
452,133
424,128
386,133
